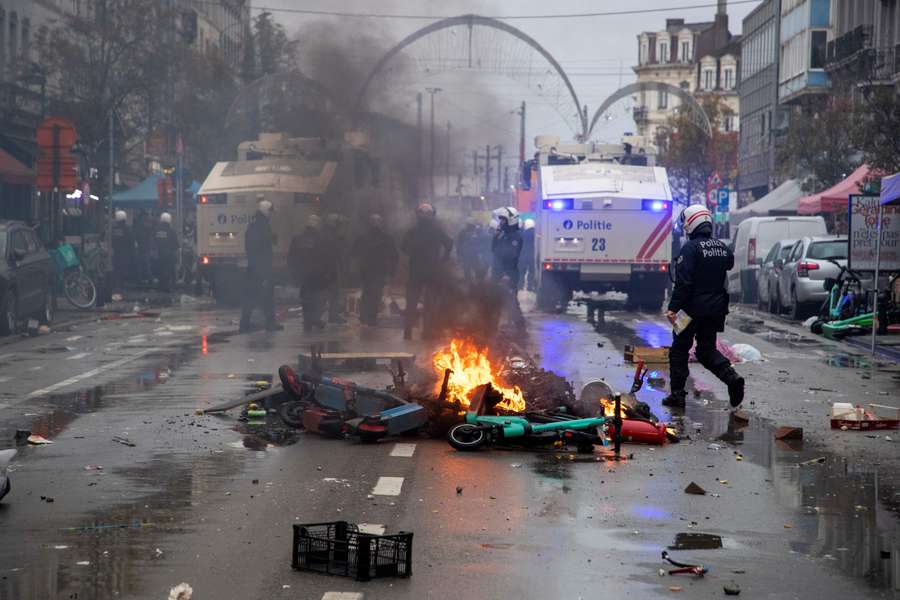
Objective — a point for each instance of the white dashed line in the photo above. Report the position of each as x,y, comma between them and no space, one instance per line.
388,486
78,356
404,450
371,528
7,355
92,373
74,338
342,596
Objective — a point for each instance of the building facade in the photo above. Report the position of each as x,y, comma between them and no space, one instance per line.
805,29
699,58
866,46
760,114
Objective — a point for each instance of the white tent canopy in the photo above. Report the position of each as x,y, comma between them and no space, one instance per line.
780,201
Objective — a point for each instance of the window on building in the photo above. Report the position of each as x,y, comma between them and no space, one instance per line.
2,42
818,42
762,125
685,51
13,34
729,123
663,100
663,52
644,58
709,79
729,79
26,36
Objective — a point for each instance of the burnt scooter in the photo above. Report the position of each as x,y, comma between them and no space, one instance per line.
332,406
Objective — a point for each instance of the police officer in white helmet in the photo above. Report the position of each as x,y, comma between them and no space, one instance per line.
259,243
700,291
122,250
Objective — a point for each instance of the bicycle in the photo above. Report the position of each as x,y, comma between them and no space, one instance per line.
76,285
845,299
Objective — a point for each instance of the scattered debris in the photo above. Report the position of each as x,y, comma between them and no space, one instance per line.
740,416
339,548
813,461
684,568
746,353
38,440
459,490
732,589
695,489
647,354
124,441
789,433
47,499
182,591
845,416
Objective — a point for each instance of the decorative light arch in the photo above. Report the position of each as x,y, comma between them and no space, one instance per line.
698,115
470,21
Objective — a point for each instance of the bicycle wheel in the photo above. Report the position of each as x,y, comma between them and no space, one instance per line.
79,289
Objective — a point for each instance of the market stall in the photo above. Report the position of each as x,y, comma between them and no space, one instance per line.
782,201
832,203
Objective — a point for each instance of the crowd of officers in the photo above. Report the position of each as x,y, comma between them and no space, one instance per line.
146,252
320,254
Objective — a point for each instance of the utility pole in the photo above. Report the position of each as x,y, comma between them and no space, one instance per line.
112,179
432,91
487,169
447,158
499,169
522,133
418,141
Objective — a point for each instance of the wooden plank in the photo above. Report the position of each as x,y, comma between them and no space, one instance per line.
647,354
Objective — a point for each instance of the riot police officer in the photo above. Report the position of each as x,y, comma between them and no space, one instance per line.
506,248
166,252
700,291
428,247
259,241
123,250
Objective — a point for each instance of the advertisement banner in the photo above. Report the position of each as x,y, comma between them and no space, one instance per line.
863,223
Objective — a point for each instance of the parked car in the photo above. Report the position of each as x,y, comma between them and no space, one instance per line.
801,288
753,240
768,274
27,277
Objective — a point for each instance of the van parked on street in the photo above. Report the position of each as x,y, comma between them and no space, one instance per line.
754,239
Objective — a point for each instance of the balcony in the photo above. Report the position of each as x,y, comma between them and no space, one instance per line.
845,48
640,114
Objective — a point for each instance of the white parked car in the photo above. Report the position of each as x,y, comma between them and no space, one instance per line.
754,239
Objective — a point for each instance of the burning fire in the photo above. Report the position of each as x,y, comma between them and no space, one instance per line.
471,367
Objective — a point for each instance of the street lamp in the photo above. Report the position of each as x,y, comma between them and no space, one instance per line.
432,92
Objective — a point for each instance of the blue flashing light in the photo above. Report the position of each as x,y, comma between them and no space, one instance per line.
558,205
656,205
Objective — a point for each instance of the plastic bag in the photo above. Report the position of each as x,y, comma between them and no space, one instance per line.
747,353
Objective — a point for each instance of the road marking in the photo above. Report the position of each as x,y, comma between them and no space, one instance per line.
92,373
388,486
37,368
79,355
404,450
342,596
7,355
4,379
371,528
74,338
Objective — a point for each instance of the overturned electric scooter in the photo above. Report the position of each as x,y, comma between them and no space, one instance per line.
332,406
483,426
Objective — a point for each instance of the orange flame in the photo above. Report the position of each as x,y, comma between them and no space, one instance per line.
471,367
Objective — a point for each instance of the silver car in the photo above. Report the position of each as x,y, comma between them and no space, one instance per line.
801,283
768,274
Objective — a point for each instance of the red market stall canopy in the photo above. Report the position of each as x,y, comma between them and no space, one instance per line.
890,189
14,172
835,198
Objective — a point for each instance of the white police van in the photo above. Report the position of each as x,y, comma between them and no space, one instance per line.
601,226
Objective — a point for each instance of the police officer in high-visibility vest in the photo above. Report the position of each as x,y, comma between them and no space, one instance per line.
700,291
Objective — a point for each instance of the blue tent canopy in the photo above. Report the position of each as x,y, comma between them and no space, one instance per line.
144,194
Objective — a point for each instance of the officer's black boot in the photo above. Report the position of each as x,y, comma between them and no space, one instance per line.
675,399
735,385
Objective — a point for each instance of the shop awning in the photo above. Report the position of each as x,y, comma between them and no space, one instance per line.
781,201
890,189
835,198
145,195
14,172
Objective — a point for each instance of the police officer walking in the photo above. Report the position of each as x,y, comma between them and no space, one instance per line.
506,248
166,242
259,242
428,248
123,251
468,251
376,255
700,291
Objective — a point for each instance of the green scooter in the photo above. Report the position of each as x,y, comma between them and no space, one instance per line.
483,426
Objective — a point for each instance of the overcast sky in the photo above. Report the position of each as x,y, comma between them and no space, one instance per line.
590,49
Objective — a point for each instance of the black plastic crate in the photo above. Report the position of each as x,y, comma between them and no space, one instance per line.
339,548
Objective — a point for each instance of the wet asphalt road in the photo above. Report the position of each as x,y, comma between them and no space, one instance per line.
208,501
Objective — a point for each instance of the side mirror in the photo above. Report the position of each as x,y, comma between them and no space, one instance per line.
779,263
829,283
